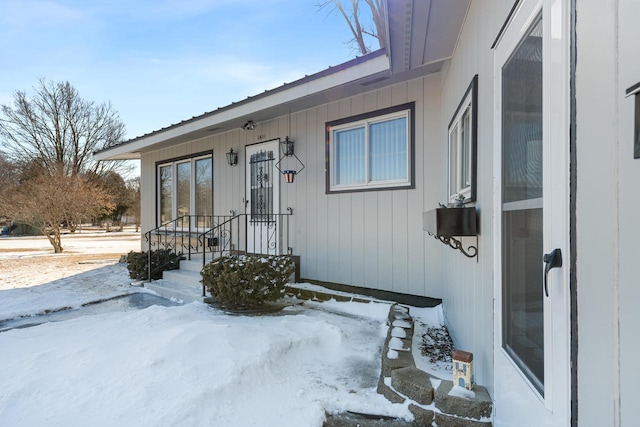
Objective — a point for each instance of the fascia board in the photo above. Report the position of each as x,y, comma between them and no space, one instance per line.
357,72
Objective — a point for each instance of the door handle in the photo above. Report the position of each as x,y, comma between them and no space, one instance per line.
551,260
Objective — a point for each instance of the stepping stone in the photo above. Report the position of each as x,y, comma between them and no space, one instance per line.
474,403
413,383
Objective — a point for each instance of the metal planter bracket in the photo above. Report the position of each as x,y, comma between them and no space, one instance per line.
444,223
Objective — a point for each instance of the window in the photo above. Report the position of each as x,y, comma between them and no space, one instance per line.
372,151
463,131
185,188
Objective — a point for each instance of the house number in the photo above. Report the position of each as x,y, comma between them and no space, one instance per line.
262,136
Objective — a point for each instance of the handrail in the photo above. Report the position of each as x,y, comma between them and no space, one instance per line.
263,237
177,236
226,235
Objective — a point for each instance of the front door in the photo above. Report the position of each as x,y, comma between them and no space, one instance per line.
263,198
531,213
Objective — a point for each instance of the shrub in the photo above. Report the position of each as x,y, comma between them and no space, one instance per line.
161,260
247,281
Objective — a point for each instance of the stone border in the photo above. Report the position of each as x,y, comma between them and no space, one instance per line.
400,380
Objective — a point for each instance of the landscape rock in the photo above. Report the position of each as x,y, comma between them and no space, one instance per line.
413,383
480,406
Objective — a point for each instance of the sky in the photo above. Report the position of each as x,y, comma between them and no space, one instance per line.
163,61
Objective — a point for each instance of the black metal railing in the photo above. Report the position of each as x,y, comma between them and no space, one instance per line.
247,234
213,236
179,237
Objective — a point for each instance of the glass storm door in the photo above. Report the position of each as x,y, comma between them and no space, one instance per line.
262,197
532,369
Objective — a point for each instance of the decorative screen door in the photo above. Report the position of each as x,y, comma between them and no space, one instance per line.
263,198
531,219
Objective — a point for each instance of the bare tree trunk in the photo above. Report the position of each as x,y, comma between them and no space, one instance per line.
54,236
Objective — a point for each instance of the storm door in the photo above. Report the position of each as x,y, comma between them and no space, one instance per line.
263,198
532,369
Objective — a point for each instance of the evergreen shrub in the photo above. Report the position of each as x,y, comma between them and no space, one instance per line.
247,281
161,260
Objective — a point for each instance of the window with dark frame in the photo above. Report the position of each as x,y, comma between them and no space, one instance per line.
635,91
372,151
185,187
636,128
462,146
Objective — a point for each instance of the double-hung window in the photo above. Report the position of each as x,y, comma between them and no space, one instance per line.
185,188
462,147
371,151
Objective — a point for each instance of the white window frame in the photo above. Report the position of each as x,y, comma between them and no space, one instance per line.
173,163
365,121
455,145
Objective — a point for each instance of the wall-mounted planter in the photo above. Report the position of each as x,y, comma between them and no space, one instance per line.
450,222
445,223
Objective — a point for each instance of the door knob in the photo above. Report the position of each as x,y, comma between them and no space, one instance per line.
551,260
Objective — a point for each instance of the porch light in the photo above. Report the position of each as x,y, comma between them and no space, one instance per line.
287,147
250,125
232,158
289,164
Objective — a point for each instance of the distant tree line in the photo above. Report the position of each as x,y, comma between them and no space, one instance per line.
49,179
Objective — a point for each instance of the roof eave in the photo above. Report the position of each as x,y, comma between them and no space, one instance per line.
353,71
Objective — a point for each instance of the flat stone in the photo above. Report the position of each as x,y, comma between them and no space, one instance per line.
398,332
477,407
303,293
413,383
400,312
443,420
321,296
402,359
400,344
386,391
361,420
423,417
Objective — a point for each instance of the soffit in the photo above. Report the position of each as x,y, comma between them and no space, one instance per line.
423,32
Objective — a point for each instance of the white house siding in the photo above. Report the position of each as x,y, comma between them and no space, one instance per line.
607,213
372,239
467,286
629,295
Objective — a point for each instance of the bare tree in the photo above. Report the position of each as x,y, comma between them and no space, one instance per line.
58,130
134,193
9,178
46,202
376,29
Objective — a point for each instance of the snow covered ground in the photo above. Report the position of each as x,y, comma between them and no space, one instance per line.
187,365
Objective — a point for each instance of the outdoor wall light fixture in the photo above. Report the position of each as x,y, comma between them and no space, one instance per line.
289,169
287,147
232,158
250,125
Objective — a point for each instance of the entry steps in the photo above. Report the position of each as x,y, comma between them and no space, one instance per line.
182,284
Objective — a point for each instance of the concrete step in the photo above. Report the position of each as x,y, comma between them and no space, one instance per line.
177,291
194,265
185,277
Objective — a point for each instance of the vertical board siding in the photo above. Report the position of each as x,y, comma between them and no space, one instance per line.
372,239
467,284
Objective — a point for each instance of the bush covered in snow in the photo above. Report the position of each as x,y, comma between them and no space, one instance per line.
161,260
247,281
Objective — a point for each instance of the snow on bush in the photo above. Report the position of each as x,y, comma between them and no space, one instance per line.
161,260
247,281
